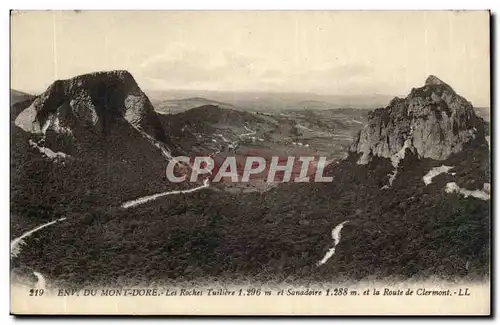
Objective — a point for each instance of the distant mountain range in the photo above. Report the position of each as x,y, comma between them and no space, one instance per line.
174,106
484,112
18,96
266,101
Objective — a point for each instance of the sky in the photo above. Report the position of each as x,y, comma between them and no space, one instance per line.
323,52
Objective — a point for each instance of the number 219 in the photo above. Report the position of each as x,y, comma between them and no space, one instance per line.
36,292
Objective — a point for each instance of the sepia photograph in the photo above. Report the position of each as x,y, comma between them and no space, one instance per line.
250,162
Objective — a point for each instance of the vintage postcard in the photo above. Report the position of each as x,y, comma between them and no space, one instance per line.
250,162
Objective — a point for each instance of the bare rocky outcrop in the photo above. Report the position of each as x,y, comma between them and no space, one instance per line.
96,101
433,121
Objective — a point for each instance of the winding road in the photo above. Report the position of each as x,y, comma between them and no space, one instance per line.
41,283
336,240
15,244
250,132
144,199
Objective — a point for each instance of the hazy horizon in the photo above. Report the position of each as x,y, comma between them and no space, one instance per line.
324,53
179,94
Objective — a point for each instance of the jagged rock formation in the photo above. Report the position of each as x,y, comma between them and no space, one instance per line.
433,121
93,101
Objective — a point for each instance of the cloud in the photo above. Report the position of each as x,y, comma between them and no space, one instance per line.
351,71
181,67
341,73
271,74
187,68
330,79
181,72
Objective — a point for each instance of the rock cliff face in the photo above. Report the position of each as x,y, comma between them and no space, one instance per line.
432,120
92,101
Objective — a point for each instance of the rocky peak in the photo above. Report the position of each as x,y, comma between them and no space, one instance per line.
433,121
433,80
95,100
